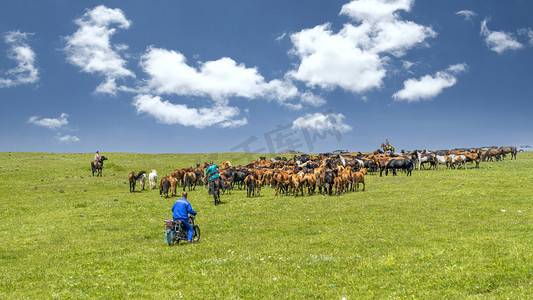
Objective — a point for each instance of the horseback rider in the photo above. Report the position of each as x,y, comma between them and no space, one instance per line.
212,172
96,157
387,144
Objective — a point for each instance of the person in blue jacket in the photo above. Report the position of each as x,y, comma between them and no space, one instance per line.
180,212
212,172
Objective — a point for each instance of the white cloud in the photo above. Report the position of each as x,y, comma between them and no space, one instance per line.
234,123
457,68
219,79
375,10
428,86
169,113
407,65
321,122
467,14
498,41
528,32
55,124
281,36
331,60
312,99
90,47
19,51
50,123
355,58
67,138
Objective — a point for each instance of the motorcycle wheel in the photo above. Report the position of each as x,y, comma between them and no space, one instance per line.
177,239
196,236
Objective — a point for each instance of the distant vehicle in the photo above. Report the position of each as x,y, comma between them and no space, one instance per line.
293,151
524,148
340,151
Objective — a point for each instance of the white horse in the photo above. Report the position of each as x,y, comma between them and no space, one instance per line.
153,179
441,160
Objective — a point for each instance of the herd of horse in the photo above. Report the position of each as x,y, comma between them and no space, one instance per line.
303,174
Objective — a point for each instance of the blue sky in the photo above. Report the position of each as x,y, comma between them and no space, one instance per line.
262,76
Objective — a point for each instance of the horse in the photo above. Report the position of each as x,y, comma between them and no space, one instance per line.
359,177
133,179
153,179
403,164
310,182
164,186
97,168
238,179
189,180
252,185
425,157
329,177
507,150
142,180
226,182
215,185
173,185
297,183
441,160
492,153
387,148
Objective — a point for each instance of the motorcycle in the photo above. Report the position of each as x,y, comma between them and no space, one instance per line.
175,231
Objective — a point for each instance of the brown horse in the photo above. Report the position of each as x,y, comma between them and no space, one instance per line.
165,186
507,150
492,153
97,166
189,180
133,179
359,177
385,148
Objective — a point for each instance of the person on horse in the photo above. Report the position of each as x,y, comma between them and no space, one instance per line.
212,172
96,157
387,144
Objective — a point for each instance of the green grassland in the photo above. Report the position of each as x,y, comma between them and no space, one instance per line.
454,234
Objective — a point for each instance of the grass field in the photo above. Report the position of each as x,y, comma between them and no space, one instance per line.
455,234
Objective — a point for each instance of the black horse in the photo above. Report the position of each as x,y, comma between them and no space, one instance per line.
97,168
215,185
403,164
238,179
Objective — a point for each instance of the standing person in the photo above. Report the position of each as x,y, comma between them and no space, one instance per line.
180,212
